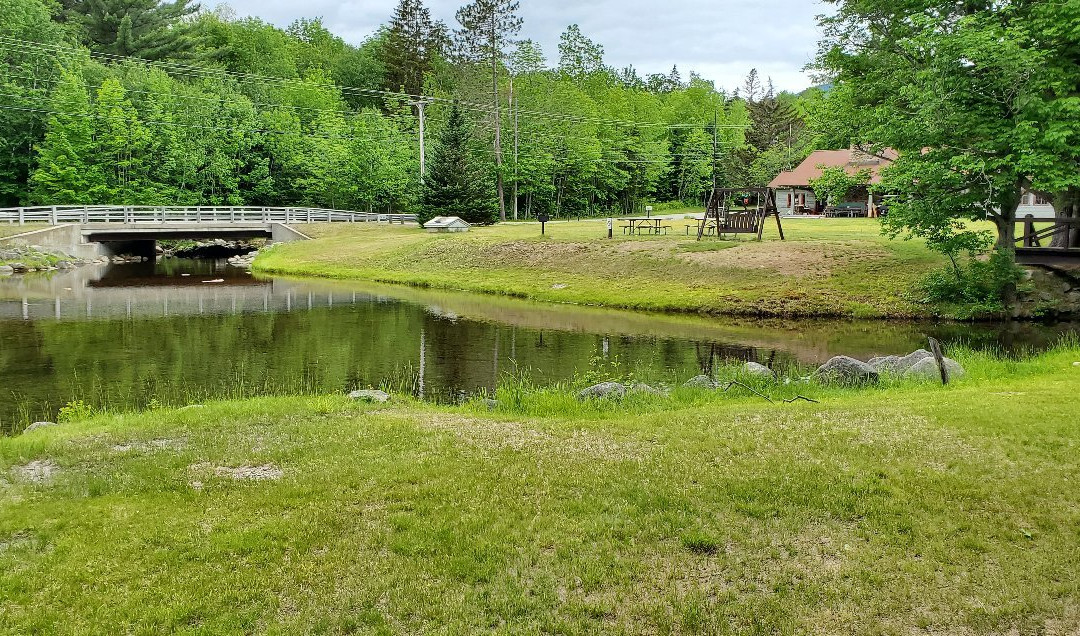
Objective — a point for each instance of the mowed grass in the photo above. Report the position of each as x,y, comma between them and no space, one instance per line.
8,229
827,267
909,508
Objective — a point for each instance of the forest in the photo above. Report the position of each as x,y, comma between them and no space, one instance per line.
142,103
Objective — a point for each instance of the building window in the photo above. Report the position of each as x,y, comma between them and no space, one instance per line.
1040,200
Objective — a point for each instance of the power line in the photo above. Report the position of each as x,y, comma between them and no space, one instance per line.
188,70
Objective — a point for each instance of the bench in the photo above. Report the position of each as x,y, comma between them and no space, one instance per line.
846,209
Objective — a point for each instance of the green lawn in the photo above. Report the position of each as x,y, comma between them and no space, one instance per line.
909,508
827,267
7,229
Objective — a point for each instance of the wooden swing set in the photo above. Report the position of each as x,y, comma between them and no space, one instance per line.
724,216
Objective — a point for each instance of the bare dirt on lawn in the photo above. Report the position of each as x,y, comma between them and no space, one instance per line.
790,258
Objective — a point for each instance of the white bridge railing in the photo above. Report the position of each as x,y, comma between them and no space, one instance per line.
132,214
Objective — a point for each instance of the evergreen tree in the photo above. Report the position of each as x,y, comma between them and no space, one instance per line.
412,45
141,28
487,27
454,186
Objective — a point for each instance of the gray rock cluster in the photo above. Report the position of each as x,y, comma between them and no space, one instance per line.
370,395
244,260
19,259
616,390
701,382
917,364
602,391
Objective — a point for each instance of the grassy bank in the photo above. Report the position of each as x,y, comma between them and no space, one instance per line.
899,509
831,267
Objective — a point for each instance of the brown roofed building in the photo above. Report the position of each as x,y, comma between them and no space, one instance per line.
794,195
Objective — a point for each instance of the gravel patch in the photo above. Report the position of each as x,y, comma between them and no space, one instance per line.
38,471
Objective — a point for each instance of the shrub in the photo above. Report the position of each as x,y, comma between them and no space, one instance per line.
980,284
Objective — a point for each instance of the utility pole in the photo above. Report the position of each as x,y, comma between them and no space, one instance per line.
513,109
420,104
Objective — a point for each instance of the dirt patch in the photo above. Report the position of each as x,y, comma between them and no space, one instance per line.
266,472
790,258
38,471
518,436
152,445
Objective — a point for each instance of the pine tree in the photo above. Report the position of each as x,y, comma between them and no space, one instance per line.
141,28
412,45
487,27
454,186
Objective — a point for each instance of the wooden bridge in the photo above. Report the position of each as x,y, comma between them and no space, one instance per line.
1052,242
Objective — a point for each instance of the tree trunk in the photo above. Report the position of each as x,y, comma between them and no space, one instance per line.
1006,241
1067,205
498,122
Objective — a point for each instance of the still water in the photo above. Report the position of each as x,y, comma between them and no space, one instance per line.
180,331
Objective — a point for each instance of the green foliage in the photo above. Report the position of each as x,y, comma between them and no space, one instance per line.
294,119
978,284
454,185
977,97
835,183
29,73
75,411
144,28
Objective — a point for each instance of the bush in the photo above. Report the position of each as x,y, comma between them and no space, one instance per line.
980,284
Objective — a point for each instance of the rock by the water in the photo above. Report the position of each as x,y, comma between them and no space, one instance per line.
927,368
641,387
910,359
701,382
845,370
885,364
602,391
753,368
371,395
6,270
38,425
18,268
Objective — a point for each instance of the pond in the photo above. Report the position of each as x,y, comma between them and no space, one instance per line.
180,331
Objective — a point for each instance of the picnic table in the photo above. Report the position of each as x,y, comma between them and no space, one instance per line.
644,225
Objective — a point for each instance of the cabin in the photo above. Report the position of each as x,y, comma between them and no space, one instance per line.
1036,206
447,224
794,195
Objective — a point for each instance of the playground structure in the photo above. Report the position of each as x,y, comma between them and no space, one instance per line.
724,216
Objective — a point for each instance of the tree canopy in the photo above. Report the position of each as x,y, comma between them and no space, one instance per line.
979,98
209,108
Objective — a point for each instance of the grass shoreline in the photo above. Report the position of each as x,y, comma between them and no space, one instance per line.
839,269
907,507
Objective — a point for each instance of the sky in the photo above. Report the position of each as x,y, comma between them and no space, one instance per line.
719,39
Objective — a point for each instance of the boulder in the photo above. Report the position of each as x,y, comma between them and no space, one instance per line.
885,364
641,387
18,268
38,425
371,395
602,391
701,382
845,370
6,270
753,368
910,359
927,368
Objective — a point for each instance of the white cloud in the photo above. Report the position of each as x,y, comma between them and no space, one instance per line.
719,39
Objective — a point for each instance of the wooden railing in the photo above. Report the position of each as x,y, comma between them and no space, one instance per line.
133,214
1036,231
